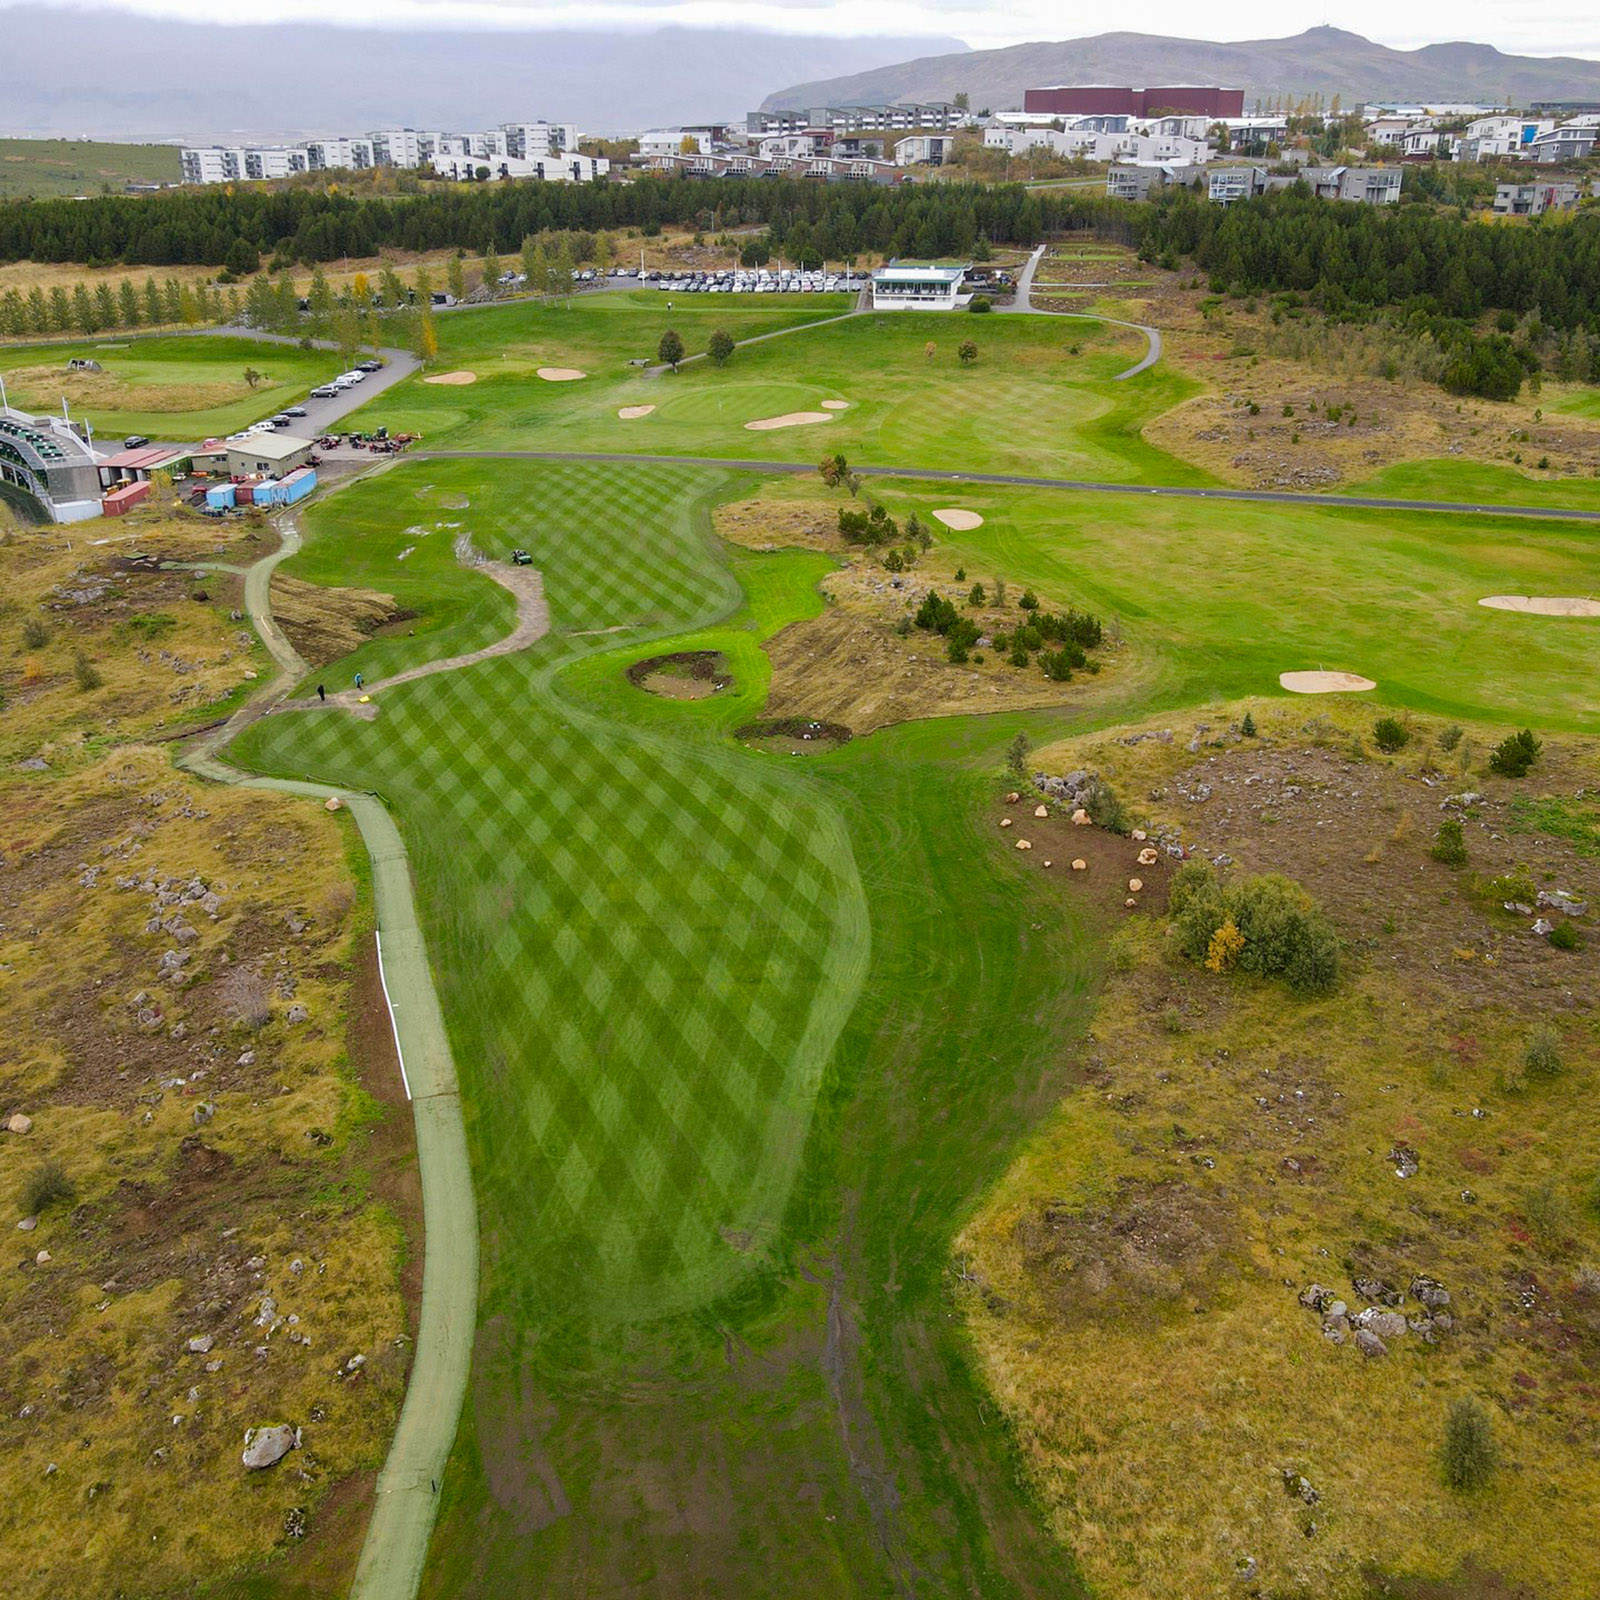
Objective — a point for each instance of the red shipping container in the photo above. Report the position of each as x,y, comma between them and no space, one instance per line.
244,494
123,498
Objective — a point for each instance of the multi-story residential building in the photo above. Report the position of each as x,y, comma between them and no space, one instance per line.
937,117
1533,199
924,149
1571,141
1371,186
1228,184
239,163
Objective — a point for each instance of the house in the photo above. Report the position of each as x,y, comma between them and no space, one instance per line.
906,286
1533,199
1572,141
1372,186
272,455
1255,133
673,141
1390,130
1227,184
924,150
1497,138
1131,183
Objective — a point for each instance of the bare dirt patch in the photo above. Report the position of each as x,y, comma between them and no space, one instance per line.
793,736
687,675
325,624
789,419
1543,605
1325,682
452,378
561,374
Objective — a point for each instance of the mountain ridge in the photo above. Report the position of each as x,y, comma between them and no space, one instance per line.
289,80
1327,61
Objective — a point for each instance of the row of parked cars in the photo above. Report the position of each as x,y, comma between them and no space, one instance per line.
324,391
787,280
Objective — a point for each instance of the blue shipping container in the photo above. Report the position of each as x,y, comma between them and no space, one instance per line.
220,496
297,486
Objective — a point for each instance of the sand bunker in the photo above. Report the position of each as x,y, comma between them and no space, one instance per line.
835,405
561,374
1324,682
629,413
790,419
1543,605
961,521
452,377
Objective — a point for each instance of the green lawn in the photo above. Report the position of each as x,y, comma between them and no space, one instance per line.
904,407
41,168
745,1038
166,388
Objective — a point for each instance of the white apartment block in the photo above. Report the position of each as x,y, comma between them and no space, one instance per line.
923,150
560,167
526,143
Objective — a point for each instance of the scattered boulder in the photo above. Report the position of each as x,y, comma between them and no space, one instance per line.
1080,865
1544,927
1335,1329
42,1259
1081,818
297,1013
204,1112
1386,1324
19,1122
1041,811
1024,844
201,1344
1369,1344
1139,836
1148,857
27,1225
1407,1163
1005,822
333,803
1429,1291
1560,900
1298,1487
266,1447
1012,798
1135,885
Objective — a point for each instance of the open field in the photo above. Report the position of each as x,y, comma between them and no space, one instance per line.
176,388
40,168
1134,1283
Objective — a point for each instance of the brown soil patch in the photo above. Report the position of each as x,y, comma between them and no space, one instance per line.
764,524
794,736
453,378
325,624
1543,605
789,419
1325,682
687,675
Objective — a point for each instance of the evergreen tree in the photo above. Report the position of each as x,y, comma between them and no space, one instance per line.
128,304
456,277
491,272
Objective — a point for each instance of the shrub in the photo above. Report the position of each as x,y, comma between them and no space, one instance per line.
1104,808
1450,737
1284,933
967,351
977,596
1248,726
1057,665
1225,948
1450,843
961,574
1468,1455
45,1186
999,591
894,562
1029,600
1389,735
1549,1216
35,636
980,303
1017,753
1541,1055
85,671
1515,755
1566,937
935,614
1019,656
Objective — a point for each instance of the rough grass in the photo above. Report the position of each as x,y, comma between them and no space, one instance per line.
1132,1282
169,387
119,1451
41,168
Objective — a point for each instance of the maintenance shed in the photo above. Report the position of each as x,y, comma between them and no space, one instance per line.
274,454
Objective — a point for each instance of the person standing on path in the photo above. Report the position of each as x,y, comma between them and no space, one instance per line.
322,694
359,680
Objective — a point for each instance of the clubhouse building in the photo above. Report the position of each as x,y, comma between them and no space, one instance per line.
907,287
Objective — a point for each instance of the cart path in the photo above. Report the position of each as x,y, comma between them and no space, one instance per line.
533,623
406,1499
1284,497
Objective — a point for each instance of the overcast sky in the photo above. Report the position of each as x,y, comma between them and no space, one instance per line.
1542,27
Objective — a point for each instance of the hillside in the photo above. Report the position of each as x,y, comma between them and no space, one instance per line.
194,81
1326,61
41,167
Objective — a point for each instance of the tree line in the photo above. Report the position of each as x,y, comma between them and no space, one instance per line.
219,227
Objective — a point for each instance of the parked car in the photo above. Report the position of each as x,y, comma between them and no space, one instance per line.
325,391
135,441
369,366
283,420
294,411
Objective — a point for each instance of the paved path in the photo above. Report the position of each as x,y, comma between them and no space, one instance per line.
406,1500
1023,304
1309,502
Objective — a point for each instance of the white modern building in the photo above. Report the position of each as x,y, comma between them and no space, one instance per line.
909,287
240,163
561,167
923,150
46,458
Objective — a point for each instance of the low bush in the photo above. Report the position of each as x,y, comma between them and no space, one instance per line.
1565,937
1468,1454
1450,737
1541,1055
1450,843
1017,753
47,1185
1247,728
1515,755
35,636
85,671
1104,808
1277,929
1390,735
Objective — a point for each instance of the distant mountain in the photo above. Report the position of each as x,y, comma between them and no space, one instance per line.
109,74
1326,61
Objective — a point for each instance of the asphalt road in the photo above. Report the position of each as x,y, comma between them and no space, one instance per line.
1019,480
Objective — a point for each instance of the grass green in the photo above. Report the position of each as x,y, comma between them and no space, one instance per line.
183,388
745,1039
41,168
905,407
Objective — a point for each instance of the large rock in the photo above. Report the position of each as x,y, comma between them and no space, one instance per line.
1386,1324
19,1122
1429,1291
1369,1344
266,1447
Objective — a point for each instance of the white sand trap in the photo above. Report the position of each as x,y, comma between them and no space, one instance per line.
1324,682
1543,605
961,521
835,405
790,419
630,413
561,374
452,377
